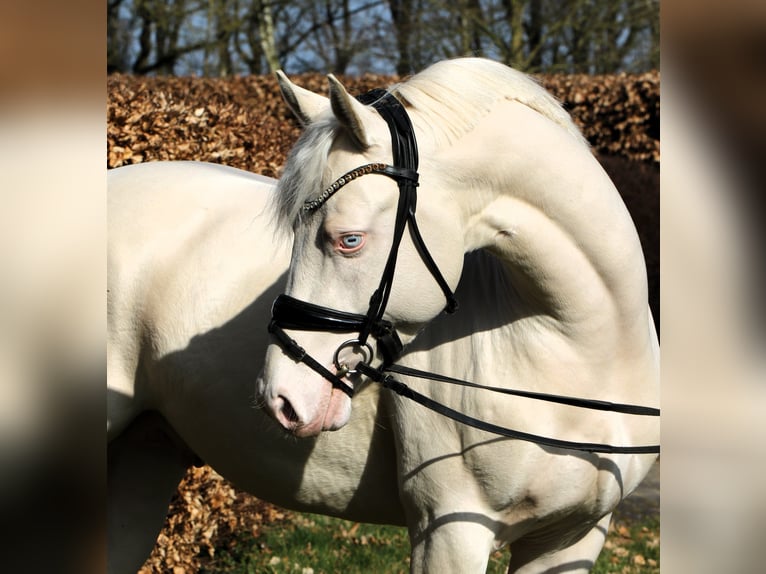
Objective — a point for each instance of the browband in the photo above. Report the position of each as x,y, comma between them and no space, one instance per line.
395,173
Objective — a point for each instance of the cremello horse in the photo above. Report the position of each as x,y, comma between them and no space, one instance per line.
553,299
193,268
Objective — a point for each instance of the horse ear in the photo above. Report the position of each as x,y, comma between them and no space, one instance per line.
305,104
351,114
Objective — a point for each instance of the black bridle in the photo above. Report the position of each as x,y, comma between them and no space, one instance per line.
290,313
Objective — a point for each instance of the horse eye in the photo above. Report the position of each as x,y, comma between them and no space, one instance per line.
351,242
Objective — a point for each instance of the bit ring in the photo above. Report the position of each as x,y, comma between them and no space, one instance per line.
366,352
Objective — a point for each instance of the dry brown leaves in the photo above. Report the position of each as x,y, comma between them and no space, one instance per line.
242,121
237,122
206,513
619,114
620,545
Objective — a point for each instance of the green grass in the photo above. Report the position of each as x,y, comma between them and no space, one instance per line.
311,544
631,549
307,543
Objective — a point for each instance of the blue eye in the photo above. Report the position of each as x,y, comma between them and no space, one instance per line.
351,242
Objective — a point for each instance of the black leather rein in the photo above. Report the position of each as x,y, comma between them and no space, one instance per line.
290,313
388,382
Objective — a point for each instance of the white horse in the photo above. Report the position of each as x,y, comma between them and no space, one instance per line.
193,268
553,299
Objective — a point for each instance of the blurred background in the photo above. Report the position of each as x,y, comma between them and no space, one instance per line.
54,58
224,37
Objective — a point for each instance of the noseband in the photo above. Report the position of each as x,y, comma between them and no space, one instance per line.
290,313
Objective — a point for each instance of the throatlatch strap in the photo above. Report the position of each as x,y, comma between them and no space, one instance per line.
420,245
405,155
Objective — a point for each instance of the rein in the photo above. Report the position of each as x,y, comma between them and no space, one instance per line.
388,382
290,313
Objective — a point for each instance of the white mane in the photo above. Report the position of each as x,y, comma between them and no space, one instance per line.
453,95
448,99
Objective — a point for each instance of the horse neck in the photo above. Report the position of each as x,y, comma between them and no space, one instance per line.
536,198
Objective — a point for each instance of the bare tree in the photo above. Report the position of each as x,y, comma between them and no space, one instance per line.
470,19
159,41
219,37
403,18
117,38
333,37
334,34
220,27
264,20
254,41
166,33
535,32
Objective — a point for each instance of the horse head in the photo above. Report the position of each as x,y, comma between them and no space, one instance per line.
380,239
359,287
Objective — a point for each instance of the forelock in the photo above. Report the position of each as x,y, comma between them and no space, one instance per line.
304,171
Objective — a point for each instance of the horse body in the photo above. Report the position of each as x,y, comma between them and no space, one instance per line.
469,489
193,270
549,276
557,302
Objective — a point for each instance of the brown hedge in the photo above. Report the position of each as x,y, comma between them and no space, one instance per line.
242,121
619,114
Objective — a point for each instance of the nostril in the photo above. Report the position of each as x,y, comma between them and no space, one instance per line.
288,411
